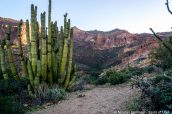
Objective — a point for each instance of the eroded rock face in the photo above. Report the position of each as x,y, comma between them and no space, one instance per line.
100,39
132,49
13,23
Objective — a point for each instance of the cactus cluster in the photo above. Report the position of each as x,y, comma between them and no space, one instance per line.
49,52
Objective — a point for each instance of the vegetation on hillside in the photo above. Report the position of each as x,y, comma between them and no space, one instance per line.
156,91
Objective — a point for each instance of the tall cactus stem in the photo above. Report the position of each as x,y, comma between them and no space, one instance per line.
2,60
23,63
69,59
9,53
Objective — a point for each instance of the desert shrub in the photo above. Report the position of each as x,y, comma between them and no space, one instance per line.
117,77
158,96
113,77
50,94
133,104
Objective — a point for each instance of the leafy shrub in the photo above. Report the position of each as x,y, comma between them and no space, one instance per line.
13,87
113,77
11,96
10,105
159,95
118,77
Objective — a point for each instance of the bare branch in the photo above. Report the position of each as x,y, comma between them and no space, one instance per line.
159,38
168,8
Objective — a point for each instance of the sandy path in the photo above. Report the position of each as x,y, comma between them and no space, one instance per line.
99,100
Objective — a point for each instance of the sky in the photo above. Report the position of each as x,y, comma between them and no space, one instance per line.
136,16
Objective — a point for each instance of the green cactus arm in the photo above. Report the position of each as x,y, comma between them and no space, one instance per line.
61,45
49,56
63,62
28,39
34,46
73,77
23,63
31,77
2,61
54,51
37,78
70,60
43,47
9,54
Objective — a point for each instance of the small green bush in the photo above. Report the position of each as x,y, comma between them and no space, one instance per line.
118,77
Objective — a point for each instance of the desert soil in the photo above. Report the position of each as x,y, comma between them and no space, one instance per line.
98,100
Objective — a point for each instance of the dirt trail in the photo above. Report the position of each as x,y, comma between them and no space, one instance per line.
99,100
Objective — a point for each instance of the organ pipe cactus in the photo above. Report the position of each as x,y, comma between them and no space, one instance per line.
49,53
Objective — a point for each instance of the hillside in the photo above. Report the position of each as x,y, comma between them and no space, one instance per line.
96,50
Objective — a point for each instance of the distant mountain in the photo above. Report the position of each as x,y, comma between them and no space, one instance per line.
96,50
8,21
